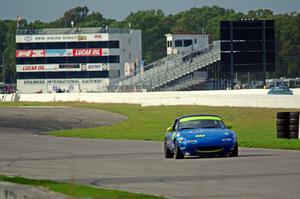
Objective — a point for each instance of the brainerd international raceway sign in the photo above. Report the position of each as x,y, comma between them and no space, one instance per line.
63,81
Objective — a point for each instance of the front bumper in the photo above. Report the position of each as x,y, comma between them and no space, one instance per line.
208,147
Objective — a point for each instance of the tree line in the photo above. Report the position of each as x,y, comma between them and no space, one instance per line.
155,24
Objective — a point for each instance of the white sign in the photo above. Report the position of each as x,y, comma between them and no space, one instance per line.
102,81
62,67
94,67
37,67
61,38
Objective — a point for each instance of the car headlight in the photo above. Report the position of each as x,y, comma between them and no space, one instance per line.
181,140
226,139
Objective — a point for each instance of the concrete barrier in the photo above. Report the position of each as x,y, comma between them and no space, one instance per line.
9,97
233,98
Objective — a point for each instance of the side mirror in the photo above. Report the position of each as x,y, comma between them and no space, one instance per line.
229,126
169,129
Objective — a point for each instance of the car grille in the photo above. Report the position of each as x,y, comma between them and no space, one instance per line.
210,149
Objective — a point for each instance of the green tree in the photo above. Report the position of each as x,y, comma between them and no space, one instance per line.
155,24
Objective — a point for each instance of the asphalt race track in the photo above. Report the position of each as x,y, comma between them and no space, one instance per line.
136,166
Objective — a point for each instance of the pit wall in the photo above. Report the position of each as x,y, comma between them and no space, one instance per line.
233,98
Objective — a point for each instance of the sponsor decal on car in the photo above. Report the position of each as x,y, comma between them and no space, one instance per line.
200,136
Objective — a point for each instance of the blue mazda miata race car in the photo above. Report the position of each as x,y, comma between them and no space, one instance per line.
200,135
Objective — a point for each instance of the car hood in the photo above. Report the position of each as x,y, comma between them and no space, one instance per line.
207,133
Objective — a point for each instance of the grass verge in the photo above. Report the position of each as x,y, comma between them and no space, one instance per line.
255,127
77,191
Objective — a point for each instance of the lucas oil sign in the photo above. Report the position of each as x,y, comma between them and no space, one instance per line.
87,52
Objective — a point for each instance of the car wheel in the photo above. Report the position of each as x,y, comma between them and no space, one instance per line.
178,154
167,151
235,152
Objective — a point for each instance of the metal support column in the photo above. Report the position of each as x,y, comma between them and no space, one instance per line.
231,76
264,51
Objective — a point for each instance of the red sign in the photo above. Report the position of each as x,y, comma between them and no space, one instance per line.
87,52
30,53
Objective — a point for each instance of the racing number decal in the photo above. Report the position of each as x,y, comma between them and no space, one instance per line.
200,136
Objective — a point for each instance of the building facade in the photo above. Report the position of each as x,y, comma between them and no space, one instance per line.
185,42
74,60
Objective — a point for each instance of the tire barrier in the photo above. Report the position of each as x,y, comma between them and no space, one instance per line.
294,125
288,125
282,122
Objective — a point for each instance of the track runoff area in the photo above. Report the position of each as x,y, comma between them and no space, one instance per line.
138,166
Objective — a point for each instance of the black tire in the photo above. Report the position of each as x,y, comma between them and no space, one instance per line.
282,122
235,152
294,128
293,135
283,134
294,121
283,115
167,151
281,128
178,154
294,115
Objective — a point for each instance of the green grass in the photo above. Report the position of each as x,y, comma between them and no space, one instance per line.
255,127
77,191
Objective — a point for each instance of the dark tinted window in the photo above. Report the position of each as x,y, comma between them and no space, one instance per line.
66,45
187,42
59,60
62,75
178,43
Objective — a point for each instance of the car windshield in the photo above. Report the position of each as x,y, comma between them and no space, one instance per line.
195,124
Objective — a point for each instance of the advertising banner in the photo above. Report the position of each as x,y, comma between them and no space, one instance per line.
62,67
94,67
30,53
69,66
87,52
61,38
33,67
129,69
58,52
81,52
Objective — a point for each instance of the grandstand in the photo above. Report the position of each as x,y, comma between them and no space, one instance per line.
174,72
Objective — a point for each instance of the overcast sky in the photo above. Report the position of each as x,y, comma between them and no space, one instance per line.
48,10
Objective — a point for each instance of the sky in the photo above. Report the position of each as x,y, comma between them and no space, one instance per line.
49,10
